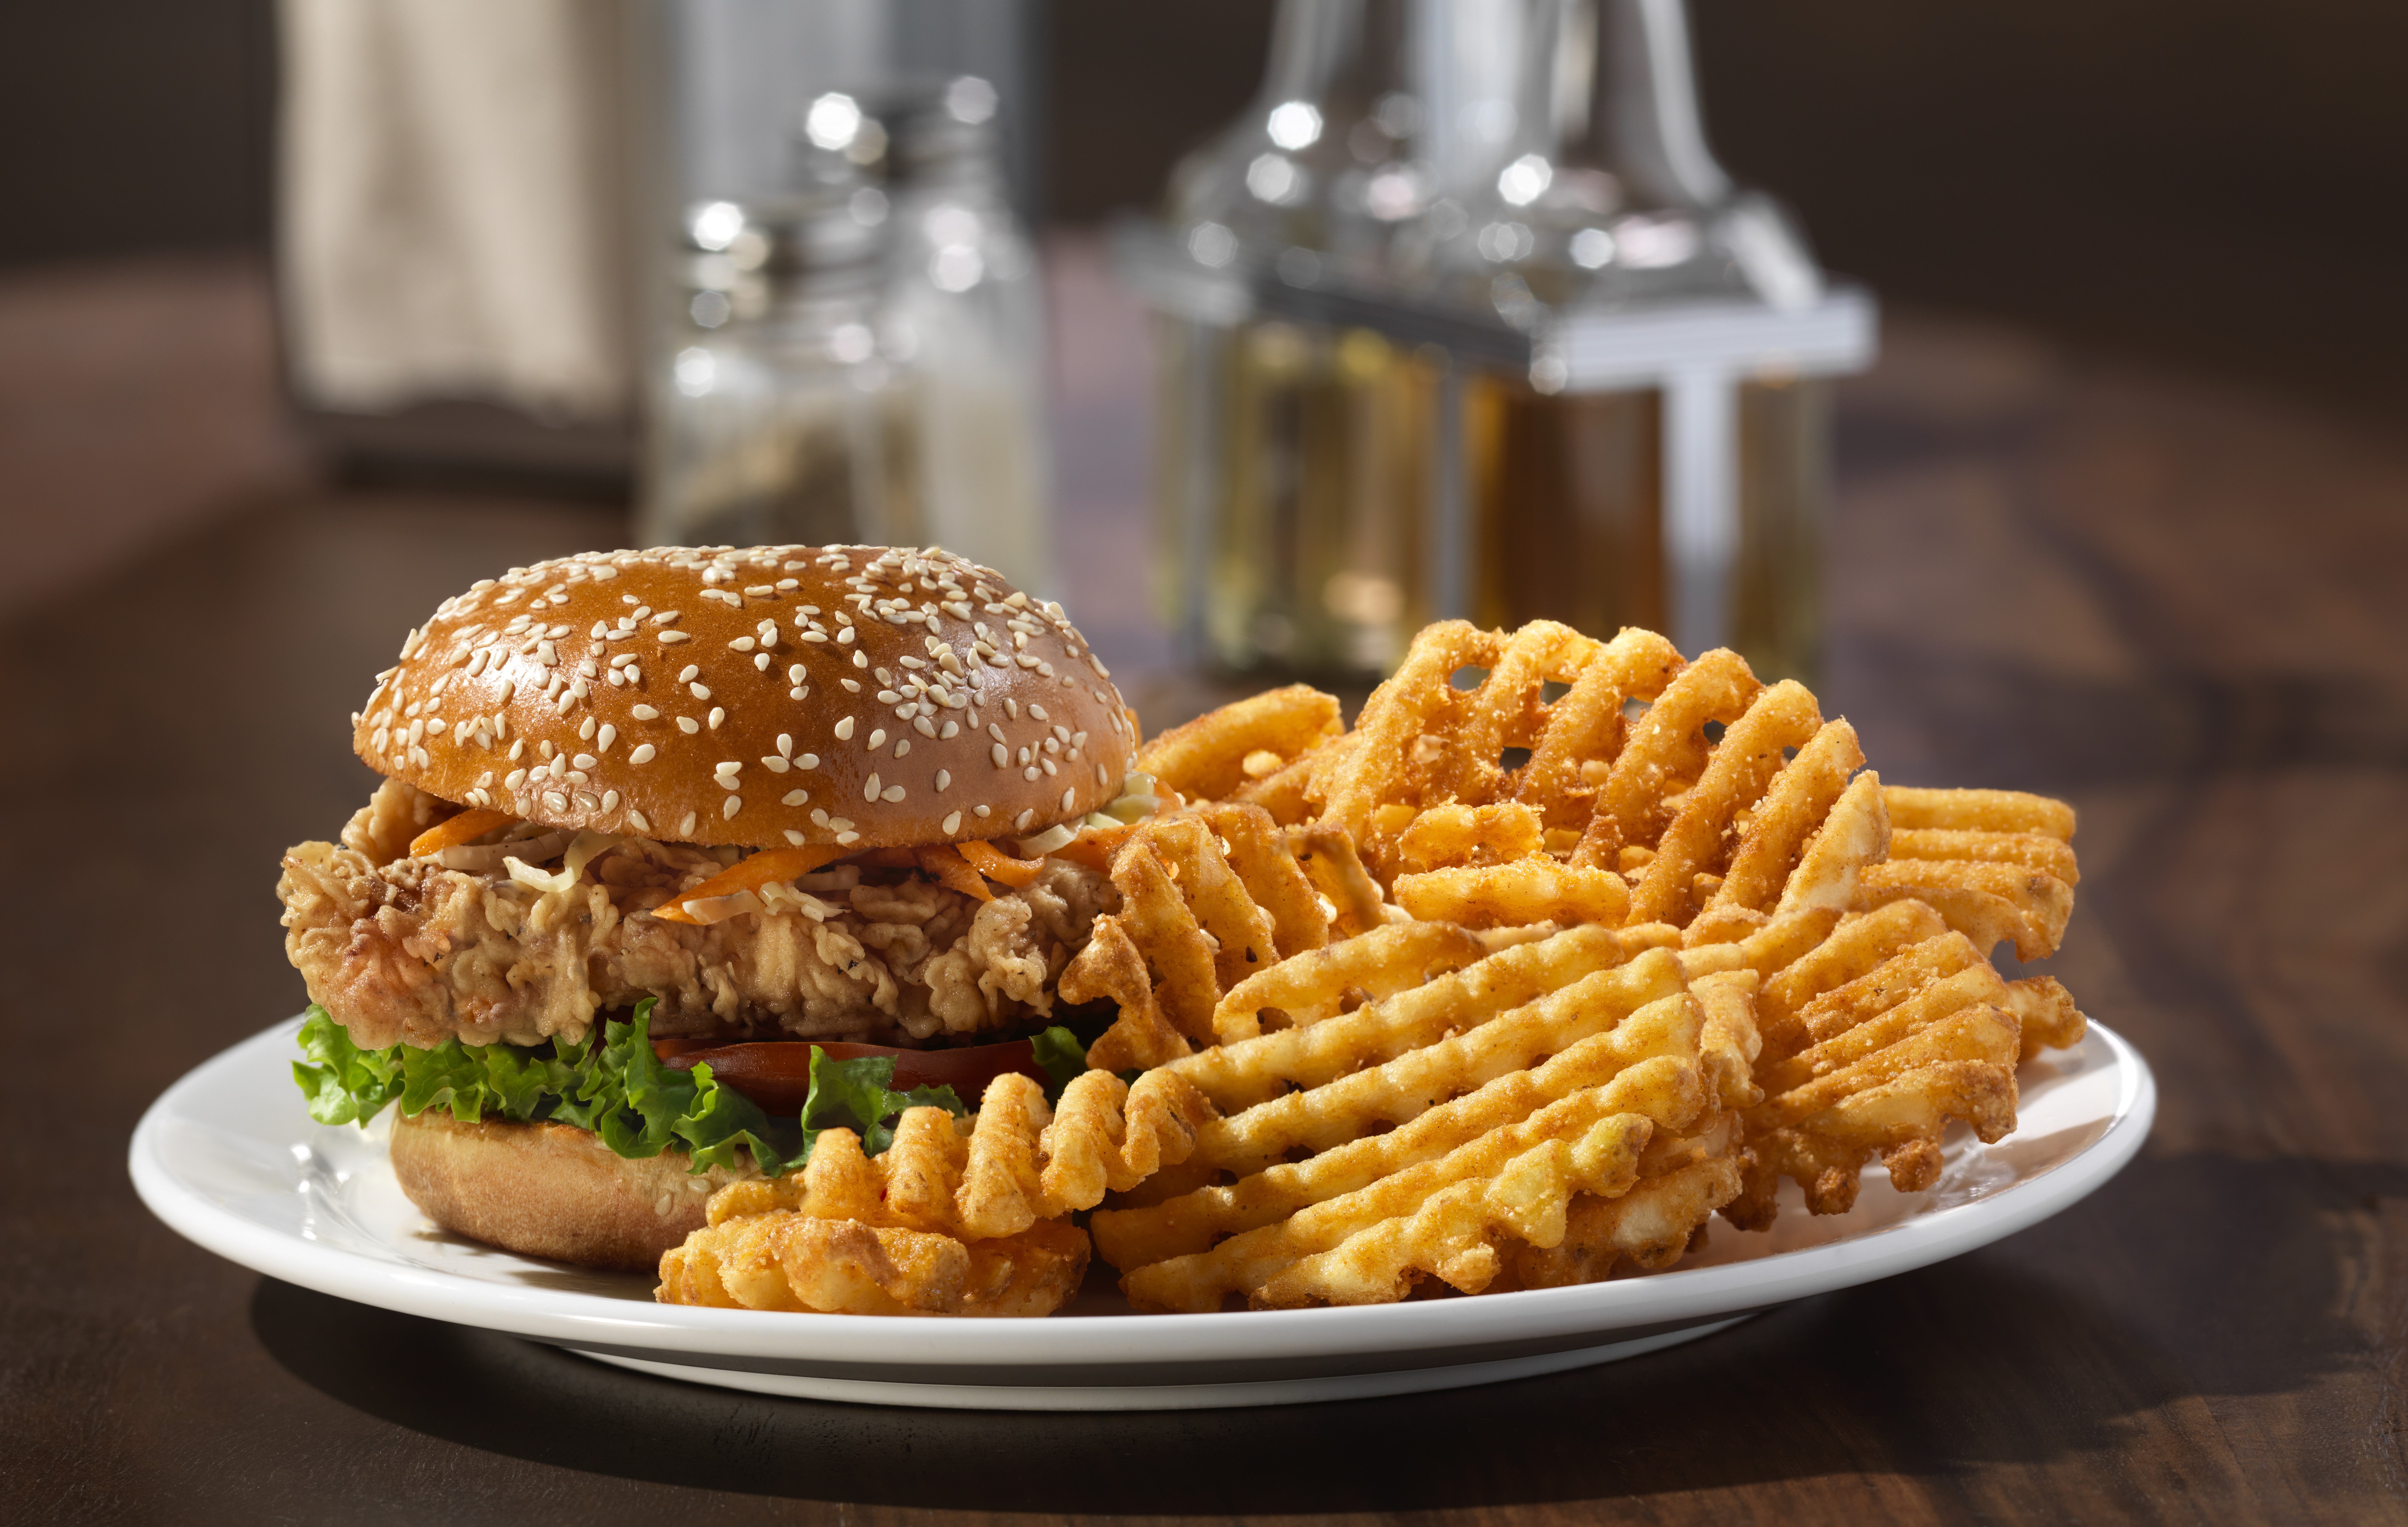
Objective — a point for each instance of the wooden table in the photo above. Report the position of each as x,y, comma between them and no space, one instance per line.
2179,607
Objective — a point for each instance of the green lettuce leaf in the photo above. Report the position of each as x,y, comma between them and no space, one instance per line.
610,1083
1061,1056
856,1095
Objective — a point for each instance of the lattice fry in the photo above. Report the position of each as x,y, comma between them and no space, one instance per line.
1432,1132
940,1223
1213,756
1874,1042
1209,897
1242,1073
1422,743
1530,890
785,1261
1190,1222
1610,1124
1998,865
1308,987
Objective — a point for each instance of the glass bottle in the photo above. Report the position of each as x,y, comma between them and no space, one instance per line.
1294,460
1608,199
777,417
963,305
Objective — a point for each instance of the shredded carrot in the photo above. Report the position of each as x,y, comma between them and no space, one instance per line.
1094,846
996,864
750,874
945,865
454,830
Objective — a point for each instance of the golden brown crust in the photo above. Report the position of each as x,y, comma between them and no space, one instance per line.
551,1190
969,694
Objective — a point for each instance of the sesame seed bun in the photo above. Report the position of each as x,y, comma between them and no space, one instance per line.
768,697
551,1190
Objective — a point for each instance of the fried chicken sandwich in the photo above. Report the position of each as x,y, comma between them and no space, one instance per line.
680,855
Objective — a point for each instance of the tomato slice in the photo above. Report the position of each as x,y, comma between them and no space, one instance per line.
777,1074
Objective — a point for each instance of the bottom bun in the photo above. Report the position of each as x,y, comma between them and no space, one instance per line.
552,1191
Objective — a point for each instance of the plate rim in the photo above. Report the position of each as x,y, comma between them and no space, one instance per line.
1134,1340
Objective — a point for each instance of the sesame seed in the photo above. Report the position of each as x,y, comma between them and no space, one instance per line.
953,824
1021,822
796,693
844,730
877,737
718,715
794,797
808,760
688,725
869,791
1069,798
796,838
1030,772
978,811
685,829
1002,756
610,801
734,805
860,659
944,778
691,670
845,635
851,687
642,824
645,712
673,636
893,792
586,760
698,691
743,644
950,730
1038,711
774,764
1100,777
607,735
845,839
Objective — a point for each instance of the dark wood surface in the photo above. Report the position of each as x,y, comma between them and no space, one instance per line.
2181,608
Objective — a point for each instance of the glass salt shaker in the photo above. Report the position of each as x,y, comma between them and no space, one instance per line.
778,416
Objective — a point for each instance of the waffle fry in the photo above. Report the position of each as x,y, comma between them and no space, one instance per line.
1423,743
1681,1182
1208,896
1461,1114
785,1260
1872,1041
1998,865
1214,756
942,1224
1450,835
1242,1074
1328,860
1308,987
1530,890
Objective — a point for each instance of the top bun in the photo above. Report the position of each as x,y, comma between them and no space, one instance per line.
764,697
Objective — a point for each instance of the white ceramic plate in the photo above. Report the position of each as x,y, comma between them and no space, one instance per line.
231,1159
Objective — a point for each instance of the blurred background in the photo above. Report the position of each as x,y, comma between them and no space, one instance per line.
226,236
